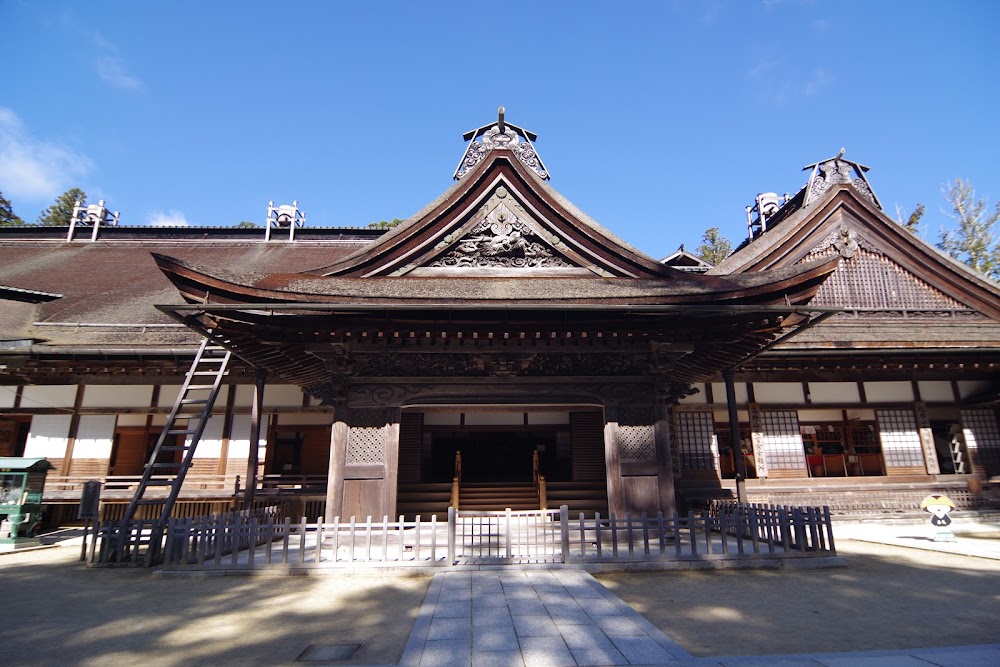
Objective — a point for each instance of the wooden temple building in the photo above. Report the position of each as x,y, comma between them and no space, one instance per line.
501,349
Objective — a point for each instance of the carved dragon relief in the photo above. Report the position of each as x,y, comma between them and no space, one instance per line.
502,239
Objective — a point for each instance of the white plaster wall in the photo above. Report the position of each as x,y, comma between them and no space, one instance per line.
168,395
131,420
47,436
697,399
778,392
719,392
239,441
8,393
862,414
244,395
210,445
117,396
94,436
275,396
820,416
965,387
49,396
937,390
281,396
834,392
885,392
548,417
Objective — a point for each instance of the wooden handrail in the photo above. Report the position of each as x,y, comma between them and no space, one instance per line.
455,491
458,465
539,480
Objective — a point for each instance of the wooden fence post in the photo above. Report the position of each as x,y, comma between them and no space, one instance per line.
564,532
507,532
451,536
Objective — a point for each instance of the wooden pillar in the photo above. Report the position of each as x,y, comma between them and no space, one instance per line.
227,431
338,452
612,460
734,436
255,413
74,425
926,438
391,461
664,457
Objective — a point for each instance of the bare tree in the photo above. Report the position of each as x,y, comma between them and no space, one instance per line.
974,240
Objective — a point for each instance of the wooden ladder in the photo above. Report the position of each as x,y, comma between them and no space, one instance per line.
138,541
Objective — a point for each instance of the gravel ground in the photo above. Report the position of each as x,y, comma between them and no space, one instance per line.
888,597
58,612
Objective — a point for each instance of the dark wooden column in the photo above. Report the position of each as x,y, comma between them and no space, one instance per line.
256,409
664,456
729,376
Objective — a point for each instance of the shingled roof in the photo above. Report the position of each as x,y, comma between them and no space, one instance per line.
496,256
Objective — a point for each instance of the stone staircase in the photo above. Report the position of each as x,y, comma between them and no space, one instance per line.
425,499
495,497
587,497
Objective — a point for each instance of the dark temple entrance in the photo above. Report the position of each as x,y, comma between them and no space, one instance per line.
493,456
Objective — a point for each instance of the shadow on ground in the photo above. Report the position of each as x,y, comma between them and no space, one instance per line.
886,598
57,612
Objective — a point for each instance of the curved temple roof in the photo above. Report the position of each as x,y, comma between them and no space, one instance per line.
499,256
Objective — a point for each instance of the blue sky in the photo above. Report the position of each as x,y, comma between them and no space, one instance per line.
658,119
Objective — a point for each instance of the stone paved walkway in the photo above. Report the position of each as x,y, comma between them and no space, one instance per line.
537,618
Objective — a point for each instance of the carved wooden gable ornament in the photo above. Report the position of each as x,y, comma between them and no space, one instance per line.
499,220
500,238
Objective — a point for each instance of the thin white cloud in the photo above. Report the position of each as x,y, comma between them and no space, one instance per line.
35,169
762,67
711,13
821,25
817,82
113,70
168,219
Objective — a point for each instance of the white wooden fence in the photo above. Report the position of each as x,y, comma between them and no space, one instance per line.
263,538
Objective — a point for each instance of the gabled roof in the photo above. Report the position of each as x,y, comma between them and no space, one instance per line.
844,222
500,256
684,260
500,219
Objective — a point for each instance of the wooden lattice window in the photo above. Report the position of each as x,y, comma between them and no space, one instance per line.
695,431
635,433
900,439
982,437
781,439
